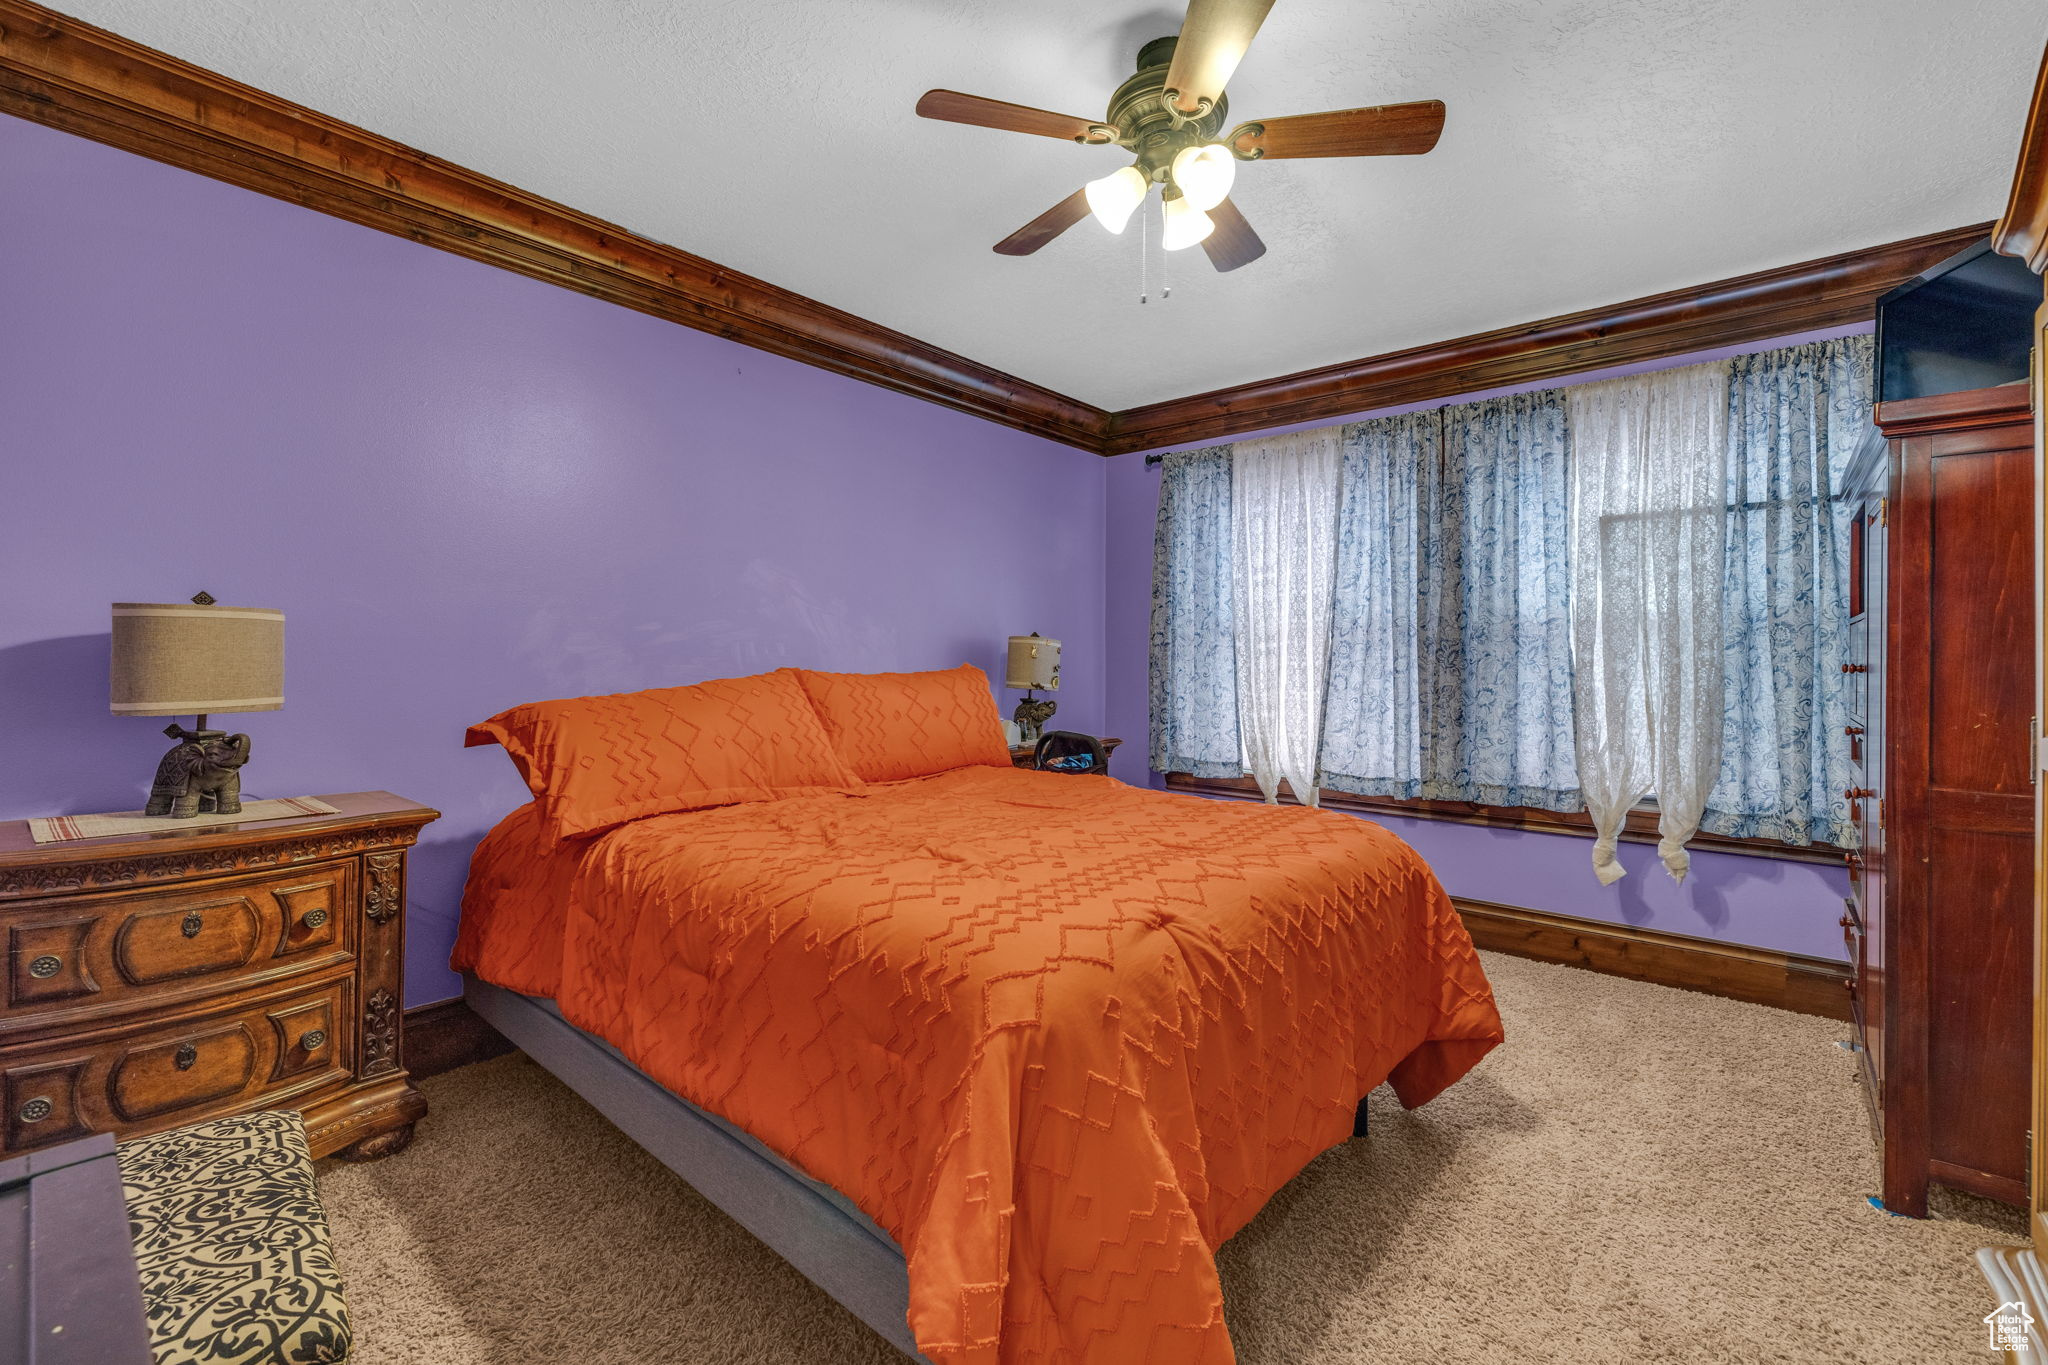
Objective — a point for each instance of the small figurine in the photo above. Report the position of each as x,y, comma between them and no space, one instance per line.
1031,714
203,773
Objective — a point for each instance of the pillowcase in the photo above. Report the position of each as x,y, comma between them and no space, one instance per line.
597,762
889,726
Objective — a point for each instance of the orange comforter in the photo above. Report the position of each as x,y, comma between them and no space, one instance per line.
1059,1036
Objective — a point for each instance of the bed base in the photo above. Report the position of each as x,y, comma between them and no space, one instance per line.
809,1224
806,1222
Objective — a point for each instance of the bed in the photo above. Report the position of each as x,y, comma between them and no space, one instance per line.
997,1057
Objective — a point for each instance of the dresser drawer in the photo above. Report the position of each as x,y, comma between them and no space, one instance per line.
161,1075
74,956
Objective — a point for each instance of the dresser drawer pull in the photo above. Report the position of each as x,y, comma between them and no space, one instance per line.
45,967
313,1039
192,924
186,1056
1852,730
313,919
1855,668
1858,793
36,1110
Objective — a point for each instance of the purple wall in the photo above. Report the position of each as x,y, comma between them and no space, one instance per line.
1739,898
465,488
469,489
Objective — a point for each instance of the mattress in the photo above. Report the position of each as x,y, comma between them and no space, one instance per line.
1059,1037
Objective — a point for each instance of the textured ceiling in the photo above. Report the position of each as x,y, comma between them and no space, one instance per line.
1595,151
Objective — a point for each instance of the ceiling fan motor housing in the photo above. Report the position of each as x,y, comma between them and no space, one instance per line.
1154,132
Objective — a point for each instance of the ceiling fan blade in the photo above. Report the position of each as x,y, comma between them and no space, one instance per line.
954,107
1231,243
1046,226
1213,39
1383,130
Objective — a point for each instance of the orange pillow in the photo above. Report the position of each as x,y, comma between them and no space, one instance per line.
597,762
889,726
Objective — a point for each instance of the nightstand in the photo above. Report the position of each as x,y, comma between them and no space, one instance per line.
1020,757
157,979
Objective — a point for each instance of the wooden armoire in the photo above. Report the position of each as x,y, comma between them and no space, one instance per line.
1940,912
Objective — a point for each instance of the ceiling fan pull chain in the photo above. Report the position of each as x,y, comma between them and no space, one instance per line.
1144,255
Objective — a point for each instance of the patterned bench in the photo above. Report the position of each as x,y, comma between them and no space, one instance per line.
237,1267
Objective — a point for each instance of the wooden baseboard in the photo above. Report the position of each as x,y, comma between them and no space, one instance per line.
447,1034
1787,981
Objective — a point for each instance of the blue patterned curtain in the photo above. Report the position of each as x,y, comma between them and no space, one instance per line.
1450,660
1795,418
1373,714
1495,609
1194,657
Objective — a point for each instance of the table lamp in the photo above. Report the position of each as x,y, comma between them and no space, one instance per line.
1034,665
196,658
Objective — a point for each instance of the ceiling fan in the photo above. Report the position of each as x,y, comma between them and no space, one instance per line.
1169,115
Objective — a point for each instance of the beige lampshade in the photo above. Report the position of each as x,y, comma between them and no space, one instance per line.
184,659
1034,663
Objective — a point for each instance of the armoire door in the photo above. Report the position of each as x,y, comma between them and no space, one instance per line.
1960,809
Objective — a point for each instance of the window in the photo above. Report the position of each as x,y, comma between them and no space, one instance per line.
1451,681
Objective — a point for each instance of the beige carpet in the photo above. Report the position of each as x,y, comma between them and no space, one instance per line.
1639,1174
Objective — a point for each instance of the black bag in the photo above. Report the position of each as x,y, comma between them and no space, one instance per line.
1063,751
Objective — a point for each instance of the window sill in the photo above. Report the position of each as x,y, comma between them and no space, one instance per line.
1640,828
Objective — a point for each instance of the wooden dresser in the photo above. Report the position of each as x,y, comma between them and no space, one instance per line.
1939,919
154,980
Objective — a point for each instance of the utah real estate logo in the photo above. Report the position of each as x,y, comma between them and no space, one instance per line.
2009,1324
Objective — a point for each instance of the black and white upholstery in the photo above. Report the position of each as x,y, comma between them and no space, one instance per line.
237,1266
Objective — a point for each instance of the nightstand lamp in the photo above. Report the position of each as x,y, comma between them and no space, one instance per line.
1034,665
195,659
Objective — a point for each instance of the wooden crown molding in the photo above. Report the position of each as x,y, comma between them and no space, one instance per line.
1831,292
69,75
2023,231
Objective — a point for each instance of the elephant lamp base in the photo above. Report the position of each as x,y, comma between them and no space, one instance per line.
202,774
1031,715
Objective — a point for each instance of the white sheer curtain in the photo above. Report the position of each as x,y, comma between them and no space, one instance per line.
1283,505
1649,531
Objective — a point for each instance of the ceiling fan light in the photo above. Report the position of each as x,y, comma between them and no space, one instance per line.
1204,174
1113,198
1185,224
